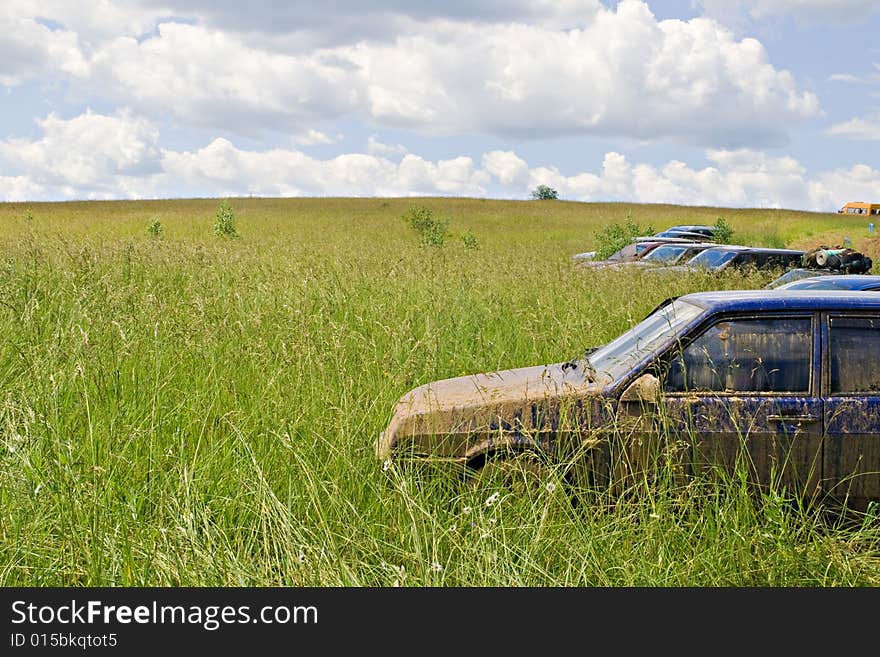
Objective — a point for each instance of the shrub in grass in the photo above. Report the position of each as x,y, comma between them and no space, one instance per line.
155,228
432,231
224,221
614,237
723,231
470,240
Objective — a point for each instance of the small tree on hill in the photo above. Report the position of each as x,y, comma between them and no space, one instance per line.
544,193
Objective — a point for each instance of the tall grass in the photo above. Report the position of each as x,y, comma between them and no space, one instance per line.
194,411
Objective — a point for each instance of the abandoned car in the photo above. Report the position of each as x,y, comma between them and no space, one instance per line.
866,282
776,383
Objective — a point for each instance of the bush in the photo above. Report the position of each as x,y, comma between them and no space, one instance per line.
470,240
224,223
723,231
432,232
614,237
544,193
155,227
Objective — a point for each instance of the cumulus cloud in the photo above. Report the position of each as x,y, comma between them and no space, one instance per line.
376,147
589,70
313,137
90,155
211,78
625,75
857,128
29,47
98,156
739,178
221,168
19,188
507,167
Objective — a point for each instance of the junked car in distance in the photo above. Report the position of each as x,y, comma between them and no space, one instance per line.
633,251
706,231
864,282
775,383
668,254
720,258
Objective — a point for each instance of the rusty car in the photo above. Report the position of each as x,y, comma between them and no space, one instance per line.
784,384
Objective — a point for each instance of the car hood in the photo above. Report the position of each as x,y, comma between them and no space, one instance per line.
446,417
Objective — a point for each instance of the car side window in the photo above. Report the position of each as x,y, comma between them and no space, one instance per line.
746,355
852,340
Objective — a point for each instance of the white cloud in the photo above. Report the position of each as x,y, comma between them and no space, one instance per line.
857,128
93,21
221,168
844,77
19,188
508,167
618,73
313,137
211,78
376,147
97,156
625,75
739,178
28,48
90,155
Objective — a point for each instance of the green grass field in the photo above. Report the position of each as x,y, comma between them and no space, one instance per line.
195,410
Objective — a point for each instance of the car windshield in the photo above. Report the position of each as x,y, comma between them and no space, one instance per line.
618,357
668,253
712,258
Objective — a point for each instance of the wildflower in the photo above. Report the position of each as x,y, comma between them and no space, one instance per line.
386,465
436,567
492,499
550,486
466,510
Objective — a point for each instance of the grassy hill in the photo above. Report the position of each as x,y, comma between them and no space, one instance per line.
194,410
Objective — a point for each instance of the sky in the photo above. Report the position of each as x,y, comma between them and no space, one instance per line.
731,103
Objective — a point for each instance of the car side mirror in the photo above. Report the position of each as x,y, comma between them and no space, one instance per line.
645,389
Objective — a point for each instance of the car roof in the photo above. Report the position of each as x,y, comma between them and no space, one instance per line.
839,281
669,240
693,227
755,249
750,300
688,245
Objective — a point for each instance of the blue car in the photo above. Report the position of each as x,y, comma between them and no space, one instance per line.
864,282
785,384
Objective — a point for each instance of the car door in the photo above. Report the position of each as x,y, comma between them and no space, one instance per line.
851,406
744,393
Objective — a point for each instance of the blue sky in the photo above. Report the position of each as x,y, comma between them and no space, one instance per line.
735,103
